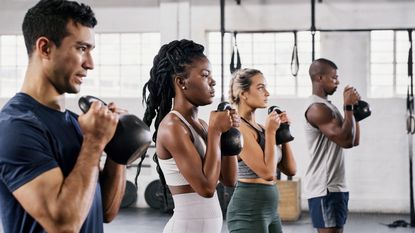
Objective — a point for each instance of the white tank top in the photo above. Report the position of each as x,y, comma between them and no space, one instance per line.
168,166
326,170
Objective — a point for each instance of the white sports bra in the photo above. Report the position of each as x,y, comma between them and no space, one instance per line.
168,166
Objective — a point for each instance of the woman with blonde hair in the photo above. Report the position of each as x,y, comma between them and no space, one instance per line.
253,207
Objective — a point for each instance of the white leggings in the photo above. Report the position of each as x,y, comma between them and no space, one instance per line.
195,214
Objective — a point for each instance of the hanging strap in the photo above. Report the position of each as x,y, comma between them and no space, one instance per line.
410,121
232,66
295,64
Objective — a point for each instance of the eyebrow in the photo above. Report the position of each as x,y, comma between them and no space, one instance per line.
88,45
206,70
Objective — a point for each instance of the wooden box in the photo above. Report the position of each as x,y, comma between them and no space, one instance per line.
289,206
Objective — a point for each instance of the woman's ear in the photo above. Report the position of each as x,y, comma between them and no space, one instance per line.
243,95
179,81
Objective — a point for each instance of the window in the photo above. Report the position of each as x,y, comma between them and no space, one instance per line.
122,64
388,64
13,62
271,54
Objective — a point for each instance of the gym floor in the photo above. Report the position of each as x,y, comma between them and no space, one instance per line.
148,220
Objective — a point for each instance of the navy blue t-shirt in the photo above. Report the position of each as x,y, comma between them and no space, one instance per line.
33,140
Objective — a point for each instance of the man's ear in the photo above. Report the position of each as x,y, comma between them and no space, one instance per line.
43,47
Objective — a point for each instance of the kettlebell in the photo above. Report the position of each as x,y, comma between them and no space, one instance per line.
283,134
361,110
131,139
231,141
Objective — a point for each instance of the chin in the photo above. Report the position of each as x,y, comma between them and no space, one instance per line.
207,102
74,90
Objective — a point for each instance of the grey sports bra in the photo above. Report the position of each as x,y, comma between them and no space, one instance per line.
243,170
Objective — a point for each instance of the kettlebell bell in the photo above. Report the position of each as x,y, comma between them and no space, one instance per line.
231,141
361,110
131,139
283,134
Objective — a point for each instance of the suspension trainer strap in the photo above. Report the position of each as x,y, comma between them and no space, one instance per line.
295,64
235,49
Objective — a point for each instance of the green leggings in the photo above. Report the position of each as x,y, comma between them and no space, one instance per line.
253,209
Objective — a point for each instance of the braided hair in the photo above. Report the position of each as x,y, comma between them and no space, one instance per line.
171,61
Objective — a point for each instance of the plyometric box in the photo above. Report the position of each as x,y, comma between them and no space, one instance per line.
290,199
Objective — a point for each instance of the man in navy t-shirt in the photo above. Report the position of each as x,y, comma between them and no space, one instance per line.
50,178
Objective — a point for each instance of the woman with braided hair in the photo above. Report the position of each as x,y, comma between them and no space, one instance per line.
188,149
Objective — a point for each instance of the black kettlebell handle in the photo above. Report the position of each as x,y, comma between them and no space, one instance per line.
224,106
274,108
86,101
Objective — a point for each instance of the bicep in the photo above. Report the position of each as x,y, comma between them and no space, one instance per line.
28,165
323,118
37,195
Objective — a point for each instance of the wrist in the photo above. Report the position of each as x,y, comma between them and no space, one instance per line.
348,107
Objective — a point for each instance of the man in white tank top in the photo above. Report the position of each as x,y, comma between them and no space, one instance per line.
327,133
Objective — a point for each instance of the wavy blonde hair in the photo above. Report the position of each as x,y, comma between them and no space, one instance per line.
241,81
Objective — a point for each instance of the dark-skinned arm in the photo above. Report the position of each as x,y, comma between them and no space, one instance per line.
342,133
113,178
287,164
229,170
174,137
357,135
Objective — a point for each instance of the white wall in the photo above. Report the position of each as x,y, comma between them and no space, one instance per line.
377,170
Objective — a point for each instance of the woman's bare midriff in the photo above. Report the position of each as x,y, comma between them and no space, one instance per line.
257,181
181,189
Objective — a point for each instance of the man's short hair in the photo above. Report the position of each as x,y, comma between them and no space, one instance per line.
49,18
320,67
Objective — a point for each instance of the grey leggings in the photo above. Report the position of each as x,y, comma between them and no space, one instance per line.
253,209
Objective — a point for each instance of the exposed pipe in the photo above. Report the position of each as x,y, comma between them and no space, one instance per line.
222,35
313,29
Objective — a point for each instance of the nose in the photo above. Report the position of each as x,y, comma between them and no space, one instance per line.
212,82
266,92
88,63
